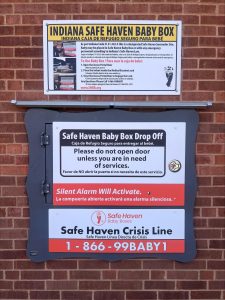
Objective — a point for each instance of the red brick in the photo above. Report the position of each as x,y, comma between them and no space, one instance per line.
77,295
90,17
14,63
206,275
198,74
220,275
199,8
29,285
213,41
212,63
61,285
219,96
13,294
3,147
35,275
8,201
14,170
132,275
13,233
182,275
28,265
218,181
109,274
33,85
15,85
220,117
6,285
63,264
62,8
12,275
220,74
157,285
89,274
35,19
2,212
157,264
28,52
217,223
126,285
37,63
212,85
13,19
199,223
135,17
37,41
165,8
60,275
222,9
34,95
6,30
21,223
189,85
126,264
44,295
6,223
6,52
6,74
6,264
218,20
194,285
29,74
12,254
28,30
210,254
207,233
134,295
6,8
94,285
6,159
2,85
30,8
187,19
220,159
171,295
204,138
221,211
109,295
205,295
15,41
212,128
204,160
221,30
194,265
207,211
98,8
131,8
199,31
197,96
206,117
22,160
6,180
214,149
158,274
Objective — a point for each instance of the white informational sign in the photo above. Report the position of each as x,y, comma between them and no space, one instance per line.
117,230
124,164
112,57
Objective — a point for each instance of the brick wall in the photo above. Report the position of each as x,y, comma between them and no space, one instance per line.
21,76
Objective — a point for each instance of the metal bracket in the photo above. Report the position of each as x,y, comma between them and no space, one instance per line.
114,104
45,188
44,139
